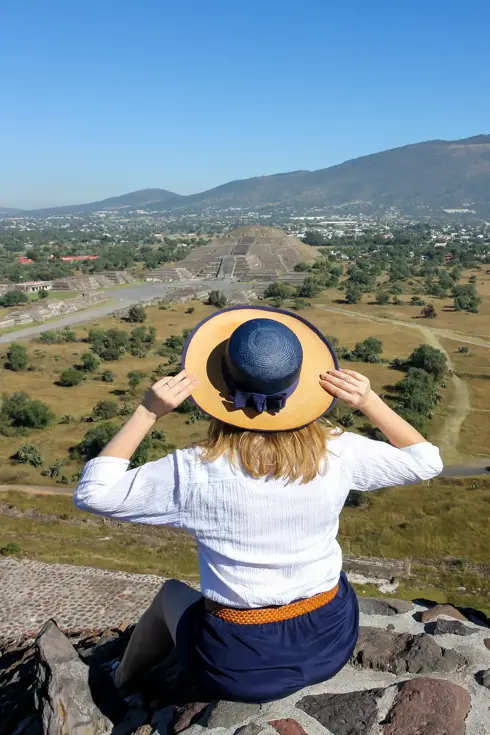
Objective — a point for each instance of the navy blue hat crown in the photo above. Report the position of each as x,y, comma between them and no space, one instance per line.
262,365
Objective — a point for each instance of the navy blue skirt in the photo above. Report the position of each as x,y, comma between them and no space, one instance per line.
260,663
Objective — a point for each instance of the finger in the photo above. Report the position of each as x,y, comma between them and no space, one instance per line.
337,373
353,374
163,381
177,379
341,383
183,385
334,390
185,393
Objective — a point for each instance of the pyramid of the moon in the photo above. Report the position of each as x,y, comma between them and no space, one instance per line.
249,253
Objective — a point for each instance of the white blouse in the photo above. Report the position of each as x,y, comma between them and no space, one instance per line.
261,541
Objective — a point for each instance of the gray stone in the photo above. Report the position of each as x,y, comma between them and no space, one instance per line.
251,729
227,714
64,696
344,714
400,653
448,627
376,606
429,706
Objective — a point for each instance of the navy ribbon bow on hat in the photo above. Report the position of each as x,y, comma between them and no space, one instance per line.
259,402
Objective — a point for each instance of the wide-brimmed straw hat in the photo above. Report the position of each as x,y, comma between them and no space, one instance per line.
259,368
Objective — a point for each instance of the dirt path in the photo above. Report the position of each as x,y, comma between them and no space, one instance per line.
448,436
442,333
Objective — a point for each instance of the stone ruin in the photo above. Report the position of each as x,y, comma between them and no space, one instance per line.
251,253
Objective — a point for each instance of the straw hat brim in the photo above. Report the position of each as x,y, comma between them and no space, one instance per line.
203,356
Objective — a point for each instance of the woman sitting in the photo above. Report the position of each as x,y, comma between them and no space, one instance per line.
262,496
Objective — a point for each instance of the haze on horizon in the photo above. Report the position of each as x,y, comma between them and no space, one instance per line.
100,101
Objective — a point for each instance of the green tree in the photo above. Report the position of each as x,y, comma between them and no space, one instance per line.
42,294
418,391
309,288
301,267
218,299
14,298
71,377
134,379
19,411
369,350
382,297
107,376
28,454
90,362
466,298
278,290
104,410
136,313
17,357
430,359
463,349
99,436
353,293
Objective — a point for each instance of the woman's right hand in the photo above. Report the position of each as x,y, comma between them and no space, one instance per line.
348,385
168,393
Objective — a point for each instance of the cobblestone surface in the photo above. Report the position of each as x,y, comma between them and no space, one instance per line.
77,597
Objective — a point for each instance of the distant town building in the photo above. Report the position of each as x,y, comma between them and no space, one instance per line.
65,258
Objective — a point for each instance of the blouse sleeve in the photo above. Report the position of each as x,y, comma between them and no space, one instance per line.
376,464
148,494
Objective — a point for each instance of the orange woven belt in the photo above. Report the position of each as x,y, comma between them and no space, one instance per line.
261,615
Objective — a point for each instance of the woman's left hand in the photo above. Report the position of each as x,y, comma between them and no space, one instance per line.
168,393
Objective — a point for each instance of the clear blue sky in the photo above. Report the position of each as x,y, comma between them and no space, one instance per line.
102,97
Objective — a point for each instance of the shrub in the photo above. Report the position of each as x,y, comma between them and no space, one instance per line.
14,298
67,419
217,298
17,357
346,418
71,377
136,313
430,359
94,441
429,312
278,290
111,354
98,437
28,454
382,297
353,293
357,499
53,470
10,549
417,301
463,349
300,304
19,411
126,409
104,410
107,376
369,350
309,288
190,310
90,362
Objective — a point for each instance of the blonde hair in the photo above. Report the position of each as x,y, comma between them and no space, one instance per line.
291,455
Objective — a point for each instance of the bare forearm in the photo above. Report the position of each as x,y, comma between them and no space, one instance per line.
398,431
128,439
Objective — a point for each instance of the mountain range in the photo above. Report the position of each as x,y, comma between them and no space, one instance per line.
423,177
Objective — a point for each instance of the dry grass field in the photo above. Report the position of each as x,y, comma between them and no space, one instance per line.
446,519
78,401
461,322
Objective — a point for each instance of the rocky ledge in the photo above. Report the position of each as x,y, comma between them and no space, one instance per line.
417,670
